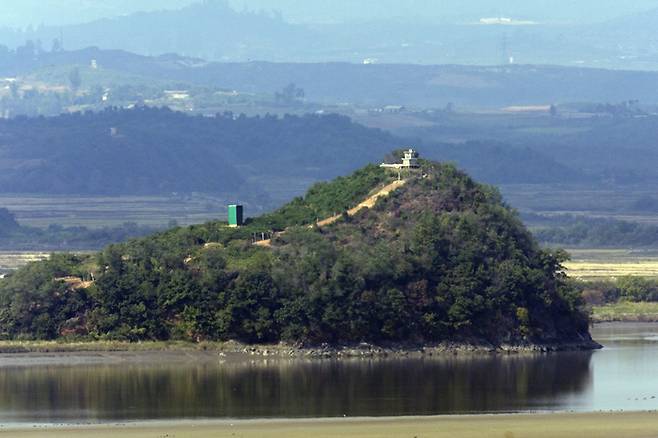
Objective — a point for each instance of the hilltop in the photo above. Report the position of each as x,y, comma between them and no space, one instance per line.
440,259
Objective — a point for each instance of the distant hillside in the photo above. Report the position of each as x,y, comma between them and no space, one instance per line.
15,237
155,151
158,151
424,86
441,259
434,86
499,163
208,28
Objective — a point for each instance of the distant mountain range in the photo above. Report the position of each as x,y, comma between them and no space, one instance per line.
210,29
213,30
24,13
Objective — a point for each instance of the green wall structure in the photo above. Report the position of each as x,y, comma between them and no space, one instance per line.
235,215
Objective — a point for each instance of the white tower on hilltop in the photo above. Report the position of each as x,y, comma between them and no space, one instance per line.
409,161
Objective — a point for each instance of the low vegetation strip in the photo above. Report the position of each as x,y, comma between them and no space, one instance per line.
366,203
596,425
626,311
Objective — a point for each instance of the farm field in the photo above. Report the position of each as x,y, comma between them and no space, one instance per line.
10,260
597,264
592,201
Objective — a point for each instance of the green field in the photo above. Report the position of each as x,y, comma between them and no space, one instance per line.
625,311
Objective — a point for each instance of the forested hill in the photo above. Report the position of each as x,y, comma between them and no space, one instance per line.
441,258
145,151
158,151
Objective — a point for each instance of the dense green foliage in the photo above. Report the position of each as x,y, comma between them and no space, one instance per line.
35,305
634,289
325,199
596,232
441,258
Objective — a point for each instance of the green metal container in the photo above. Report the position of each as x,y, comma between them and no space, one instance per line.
235,215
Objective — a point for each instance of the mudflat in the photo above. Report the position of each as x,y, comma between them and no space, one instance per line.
561,425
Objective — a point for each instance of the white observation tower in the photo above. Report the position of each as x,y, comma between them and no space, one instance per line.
409,162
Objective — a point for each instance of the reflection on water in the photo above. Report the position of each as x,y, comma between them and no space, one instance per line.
611,379
625,373
291,389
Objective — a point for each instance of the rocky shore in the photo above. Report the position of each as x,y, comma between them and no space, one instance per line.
282,350
406,350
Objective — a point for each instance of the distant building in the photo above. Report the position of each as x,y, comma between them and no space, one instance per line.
505,21
235,216
393,109
409,161
177,94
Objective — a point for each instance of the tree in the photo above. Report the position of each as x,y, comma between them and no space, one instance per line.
14,88
27,51
7,221
290,94
75,79
56,46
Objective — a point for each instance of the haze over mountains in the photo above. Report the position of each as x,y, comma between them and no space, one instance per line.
427,33
545,11
339,83
22,13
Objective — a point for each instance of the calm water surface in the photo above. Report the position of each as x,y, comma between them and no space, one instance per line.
622,376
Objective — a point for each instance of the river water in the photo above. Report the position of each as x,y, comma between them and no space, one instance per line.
622,376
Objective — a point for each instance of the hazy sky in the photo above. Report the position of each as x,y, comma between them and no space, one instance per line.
20,13
540,10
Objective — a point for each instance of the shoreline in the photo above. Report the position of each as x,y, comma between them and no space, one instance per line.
642,424
277,351
300,420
